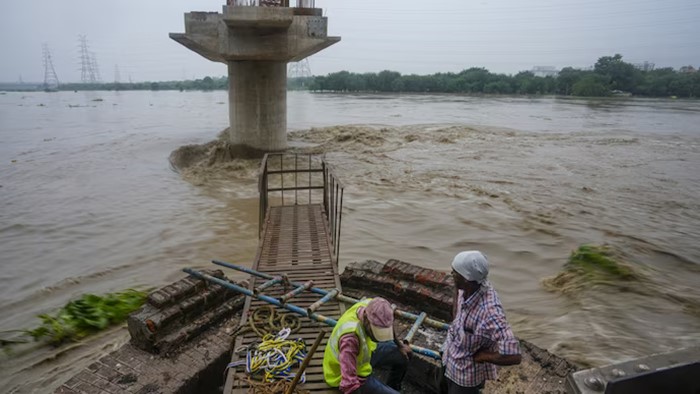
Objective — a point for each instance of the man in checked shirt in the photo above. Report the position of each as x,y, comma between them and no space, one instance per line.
479,337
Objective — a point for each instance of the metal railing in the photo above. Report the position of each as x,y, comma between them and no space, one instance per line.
298,179
271,3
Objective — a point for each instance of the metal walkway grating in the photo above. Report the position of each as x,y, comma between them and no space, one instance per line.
296,241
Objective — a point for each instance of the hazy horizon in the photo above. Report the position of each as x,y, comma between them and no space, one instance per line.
130,39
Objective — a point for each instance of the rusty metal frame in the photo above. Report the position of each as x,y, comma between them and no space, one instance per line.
277,166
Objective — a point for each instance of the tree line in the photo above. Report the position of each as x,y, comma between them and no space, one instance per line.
610,75
206,83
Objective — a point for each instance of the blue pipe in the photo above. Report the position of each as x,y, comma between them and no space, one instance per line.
414,328
407,315
290,307
341,297
269,300
331,294
296,291
267,284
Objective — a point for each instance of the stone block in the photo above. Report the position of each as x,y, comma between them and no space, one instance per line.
179,311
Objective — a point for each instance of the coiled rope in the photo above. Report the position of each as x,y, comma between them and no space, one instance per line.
274,357
265,320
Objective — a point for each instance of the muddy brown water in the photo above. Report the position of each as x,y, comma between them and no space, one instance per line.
90,204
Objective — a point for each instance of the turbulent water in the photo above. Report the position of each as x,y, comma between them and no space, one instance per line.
91,204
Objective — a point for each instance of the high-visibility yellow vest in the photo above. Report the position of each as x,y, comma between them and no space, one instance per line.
349,323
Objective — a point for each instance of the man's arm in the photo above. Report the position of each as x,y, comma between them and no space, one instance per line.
508,349
485,356
349,346
454,302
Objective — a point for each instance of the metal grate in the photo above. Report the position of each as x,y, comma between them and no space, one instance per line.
295,241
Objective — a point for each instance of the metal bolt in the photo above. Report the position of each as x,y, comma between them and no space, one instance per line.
642,368
594,383
618,373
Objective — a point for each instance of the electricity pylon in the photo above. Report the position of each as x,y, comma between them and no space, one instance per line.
50,77
87,62
299,69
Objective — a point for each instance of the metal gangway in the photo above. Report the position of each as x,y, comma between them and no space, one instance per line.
296,265
300,218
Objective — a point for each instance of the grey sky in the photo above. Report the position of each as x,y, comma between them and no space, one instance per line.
403,35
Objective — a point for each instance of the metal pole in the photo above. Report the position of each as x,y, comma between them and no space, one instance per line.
282,176
306,361
290,307
340,220
269,283
270,300
416,325
342,298
331,294
296,291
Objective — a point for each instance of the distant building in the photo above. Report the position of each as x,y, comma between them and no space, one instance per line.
545,71
688,69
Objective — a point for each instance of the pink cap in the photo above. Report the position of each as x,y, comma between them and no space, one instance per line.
381,318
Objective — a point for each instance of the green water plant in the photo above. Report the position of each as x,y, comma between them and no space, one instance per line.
591,265
88,314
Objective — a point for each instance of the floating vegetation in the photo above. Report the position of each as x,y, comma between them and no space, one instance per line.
591,265
84,316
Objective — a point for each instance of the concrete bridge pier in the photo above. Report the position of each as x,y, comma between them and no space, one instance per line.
258,104
256,42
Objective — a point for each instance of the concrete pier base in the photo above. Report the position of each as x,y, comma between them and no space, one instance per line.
258,104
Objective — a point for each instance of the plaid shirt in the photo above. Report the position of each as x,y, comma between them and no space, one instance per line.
480,324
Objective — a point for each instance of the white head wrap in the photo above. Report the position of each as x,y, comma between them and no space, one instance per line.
472,265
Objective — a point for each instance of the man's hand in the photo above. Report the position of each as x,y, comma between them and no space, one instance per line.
405,349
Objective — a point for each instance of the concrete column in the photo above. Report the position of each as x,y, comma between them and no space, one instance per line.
258,104
256,43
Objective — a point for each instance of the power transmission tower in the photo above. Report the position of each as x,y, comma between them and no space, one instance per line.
87,72
299,69
95,67
117,76
50,77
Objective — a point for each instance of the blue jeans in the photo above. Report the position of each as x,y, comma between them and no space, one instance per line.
386,356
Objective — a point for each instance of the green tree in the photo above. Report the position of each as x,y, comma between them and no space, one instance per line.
591,85
621,75
567,78
207,83
385,80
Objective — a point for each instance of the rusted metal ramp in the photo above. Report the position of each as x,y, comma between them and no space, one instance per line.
300,216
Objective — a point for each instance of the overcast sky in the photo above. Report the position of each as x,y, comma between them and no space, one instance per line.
409,36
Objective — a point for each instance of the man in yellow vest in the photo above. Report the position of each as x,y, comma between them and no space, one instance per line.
364,339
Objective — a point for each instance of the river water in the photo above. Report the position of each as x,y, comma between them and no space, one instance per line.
91,204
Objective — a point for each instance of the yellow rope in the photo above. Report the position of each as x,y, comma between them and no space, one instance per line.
274,357
279,387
